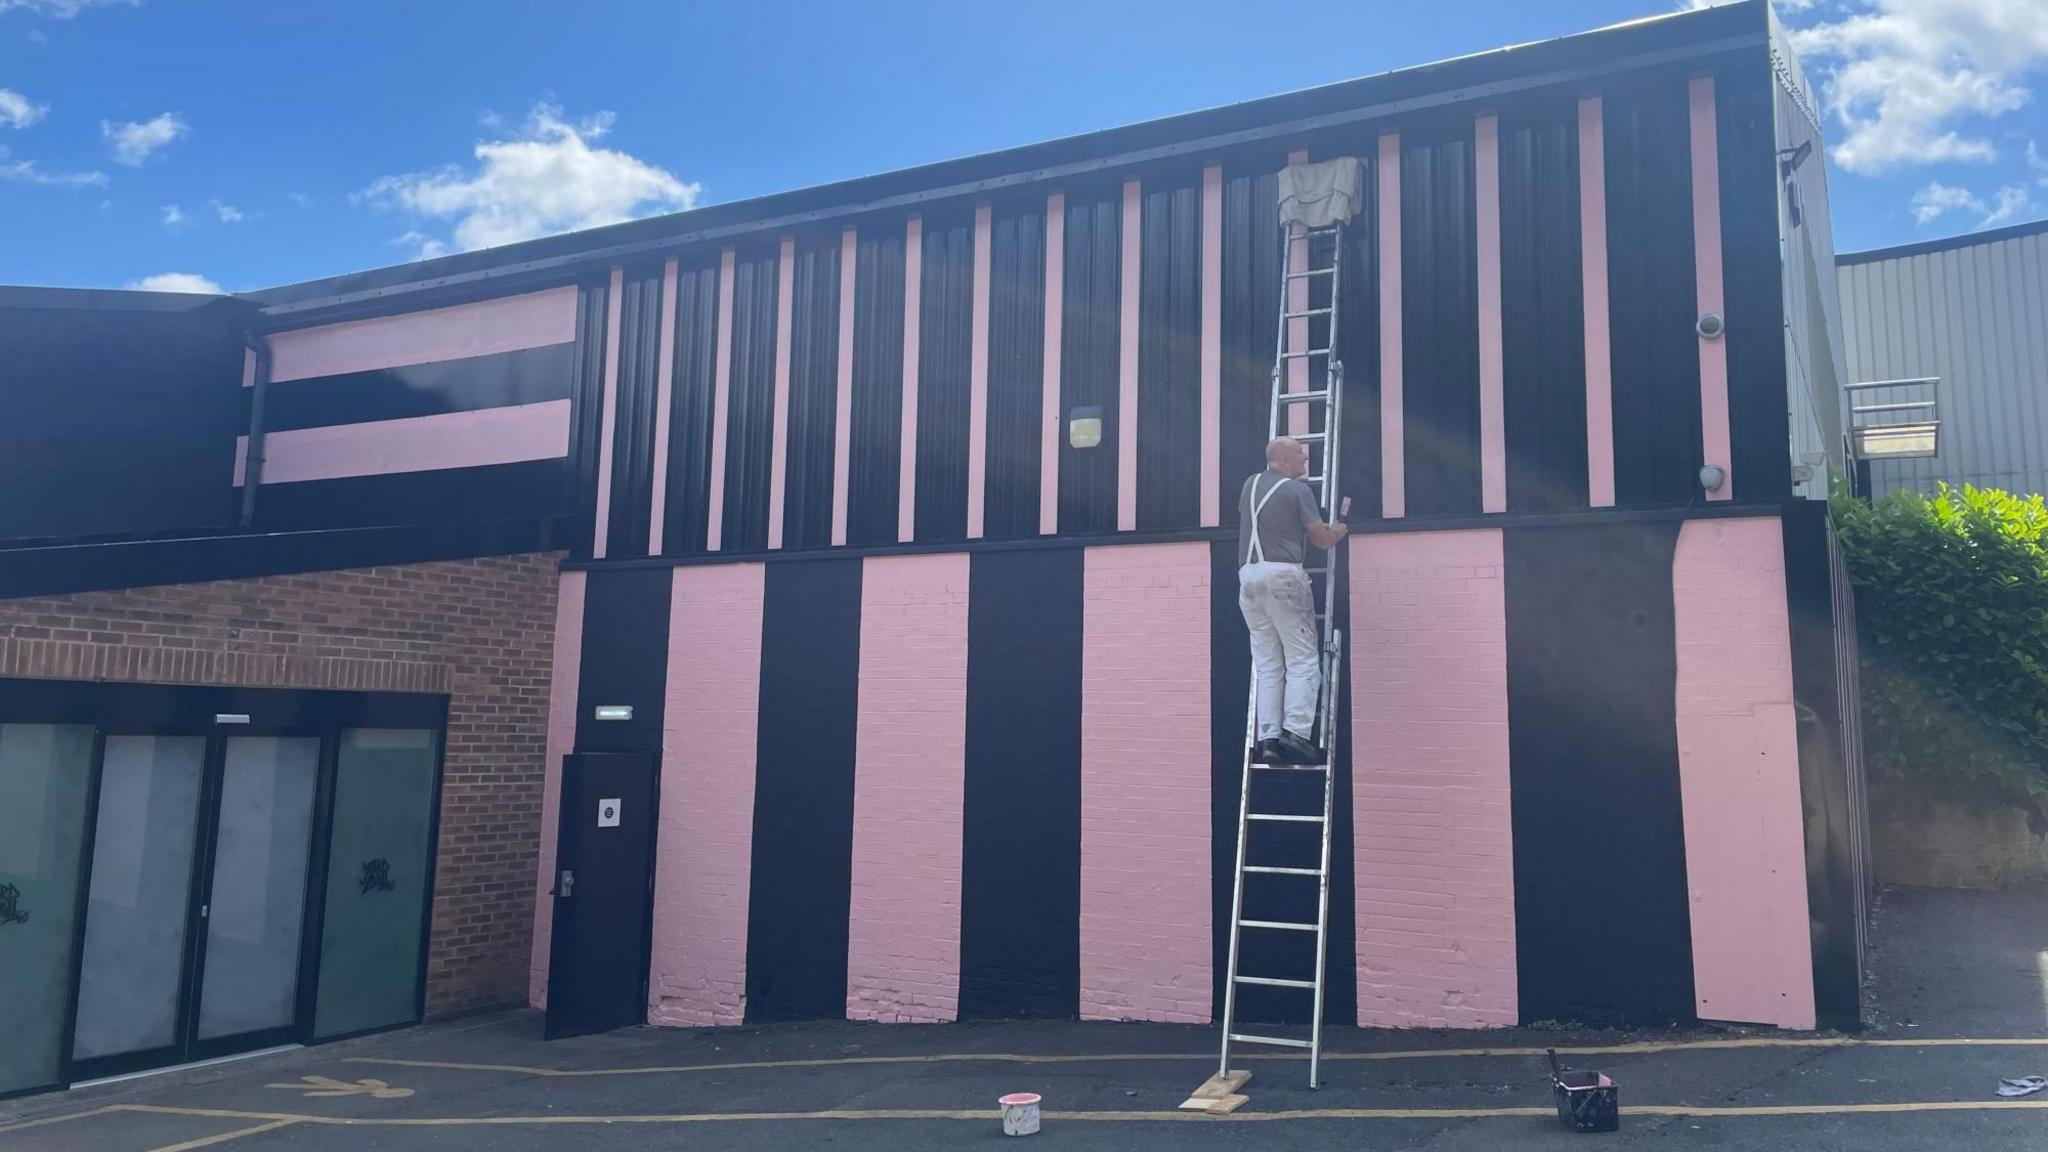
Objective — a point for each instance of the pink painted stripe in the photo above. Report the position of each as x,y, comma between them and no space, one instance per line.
1127,360
910,764
1493,439
1593,275
1706,243
1433,852
721,395
1051,420
842,408
1212,345
471,439
508,324
697,970
1297,329
1393,447
778,444
1738,775
977,378
657,508
565,668
609,427
1145,922
913,303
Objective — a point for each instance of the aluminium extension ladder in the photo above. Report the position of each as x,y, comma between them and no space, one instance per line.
1320,251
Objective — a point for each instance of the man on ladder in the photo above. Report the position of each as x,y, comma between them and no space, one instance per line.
1277,521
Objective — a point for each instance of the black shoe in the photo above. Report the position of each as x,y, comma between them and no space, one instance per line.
1296,750
1268,752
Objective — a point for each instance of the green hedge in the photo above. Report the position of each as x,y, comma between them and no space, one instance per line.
1952,610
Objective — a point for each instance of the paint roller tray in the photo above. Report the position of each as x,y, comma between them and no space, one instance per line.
1586,1101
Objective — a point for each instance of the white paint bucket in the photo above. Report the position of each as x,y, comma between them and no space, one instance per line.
1020,1113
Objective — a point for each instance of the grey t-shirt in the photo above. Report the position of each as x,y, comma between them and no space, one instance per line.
1283,522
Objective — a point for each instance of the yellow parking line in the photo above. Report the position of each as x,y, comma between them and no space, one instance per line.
224,1137
27,1124
1647,1047
278,1120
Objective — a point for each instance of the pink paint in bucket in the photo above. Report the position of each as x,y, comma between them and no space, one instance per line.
1020,1113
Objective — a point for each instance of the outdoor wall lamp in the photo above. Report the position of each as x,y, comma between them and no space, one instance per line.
1712,476
1084,427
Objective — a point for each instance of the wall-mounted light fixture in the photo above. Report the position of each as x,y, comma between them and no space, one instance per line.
1712,477
1084,427
1711,326
613,712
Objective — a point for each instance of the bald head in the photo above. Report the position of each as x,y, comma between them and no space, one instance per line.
1287,456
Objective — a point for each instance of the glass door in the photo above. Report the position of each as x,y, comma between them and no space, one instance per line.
195,912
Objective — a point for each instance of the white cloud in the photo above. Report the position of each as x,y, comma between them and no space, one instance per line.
1902,74
1939,199
2013,204
38,36
18,111
176,282
173,216
228,213
136,141
2038,163
26,172
62,9
425,247
547,179
300,198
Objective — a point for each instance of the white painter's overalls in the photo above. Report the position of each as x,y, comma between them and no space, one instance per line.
1280,610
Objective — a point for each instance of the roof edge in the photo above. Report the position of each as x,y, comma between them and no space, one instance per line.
1944,244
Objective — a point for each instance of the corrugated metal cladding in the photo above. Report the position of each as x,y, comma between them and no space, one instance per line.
813,393
1016,369
632,477
1975,315
592,302
1652,301
1440,319
1251,318
877,385
1358,341
1169,354
688,501
1543,347
944,363
750,399
1088,355
1752,285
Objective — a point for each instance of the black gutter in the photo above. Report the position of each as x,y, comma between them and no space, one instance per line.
1478,77
252,468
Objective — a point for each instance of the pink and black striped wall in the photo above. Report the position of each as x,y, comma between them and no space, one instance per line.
1002,782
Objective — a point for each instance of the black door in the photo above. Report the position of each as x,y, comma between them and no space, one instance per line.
603,893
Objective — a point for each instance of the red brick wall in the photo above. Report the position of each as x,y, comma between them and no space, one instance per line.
480,631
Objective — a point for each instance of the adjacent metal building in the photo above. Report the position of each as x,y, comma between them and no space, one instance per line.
1970,313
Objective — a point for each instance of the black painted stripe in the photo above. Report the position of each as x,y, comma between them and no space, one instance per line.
1020,868
524,491
797,909
625,659
502,379
1602,931
1269,897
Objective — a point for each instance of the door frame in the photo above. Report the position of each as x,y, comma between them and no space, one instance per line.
120,709
563,819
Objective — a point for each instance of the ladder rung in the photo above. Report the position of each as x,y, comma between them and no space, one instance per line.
1320,570
1284,818
1310,312
1310,479
1281,1041
1290,767
1276,870
1276,982
1304,397
1303,275
1276,924
1306,352
1309,437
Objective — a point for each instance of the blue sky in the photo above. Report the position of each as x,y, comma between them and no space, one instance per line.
258,142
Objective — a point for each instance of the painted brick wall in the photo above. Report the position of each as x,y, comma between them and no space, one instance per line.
704,849
1738,773
1434,833
480,631
910,762
1145,912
